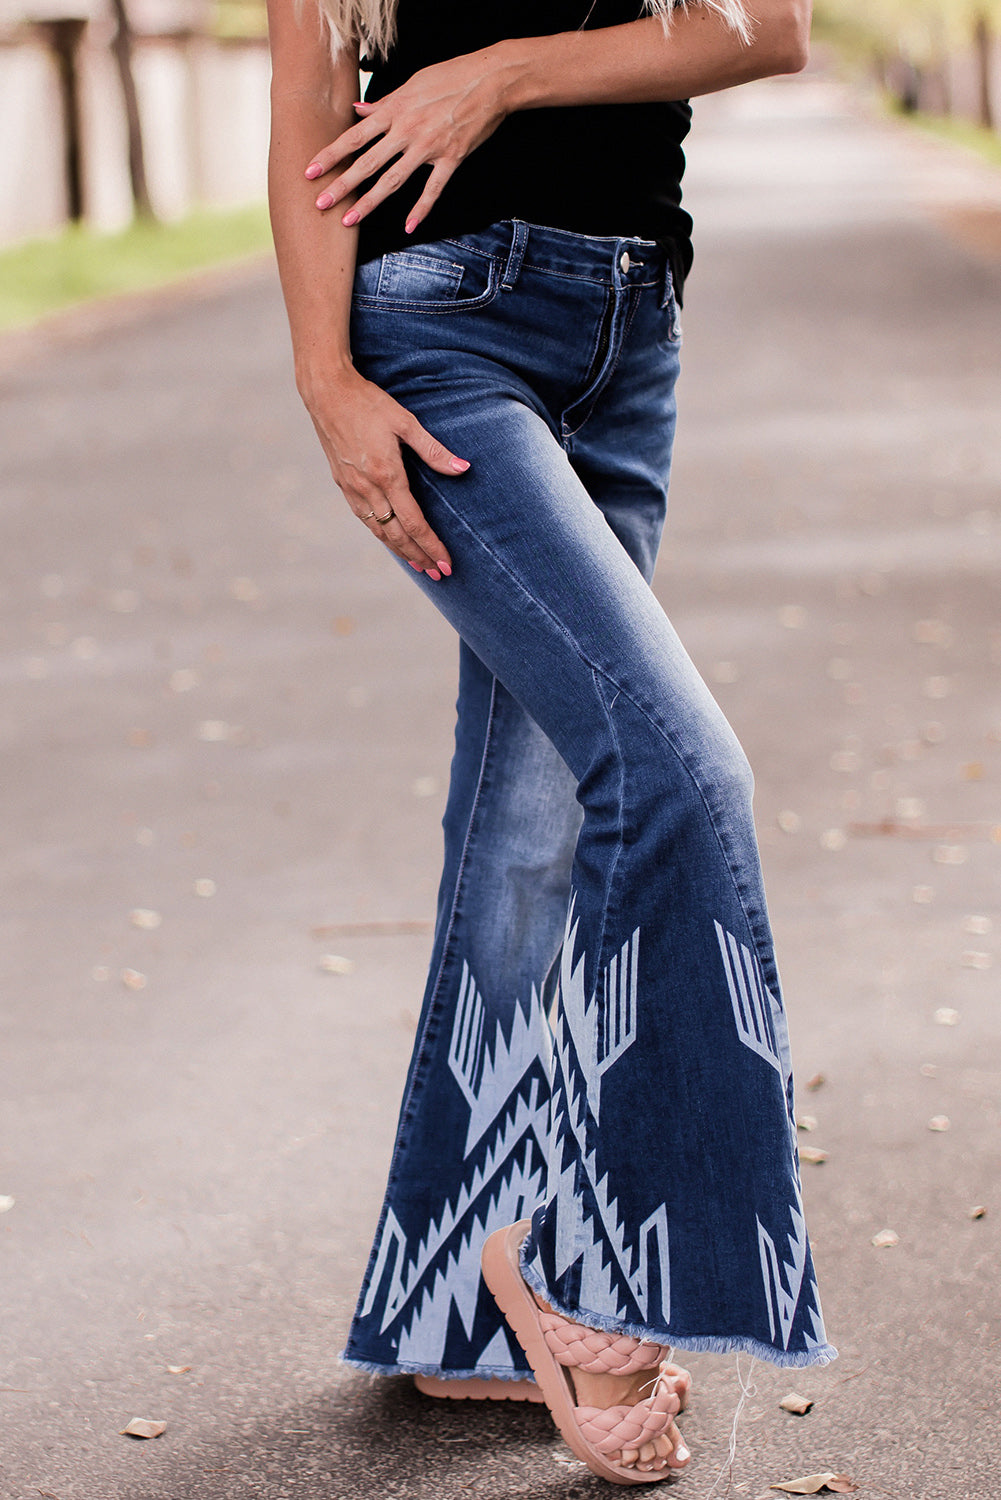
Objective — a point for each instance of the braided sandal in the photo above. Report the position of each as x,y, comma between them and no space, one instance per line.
553,1345
476,1389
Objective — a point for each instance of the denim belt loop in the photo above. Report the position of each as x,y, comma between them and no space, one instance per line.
516,254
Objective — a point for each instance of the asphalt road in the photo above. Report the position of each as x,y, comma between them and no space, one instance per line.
223,706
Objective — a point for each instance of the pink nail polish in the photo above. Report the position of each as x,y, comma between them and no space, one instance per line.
416,566
433,573
325,200
445,569
460,465
410,226
314,169
350,218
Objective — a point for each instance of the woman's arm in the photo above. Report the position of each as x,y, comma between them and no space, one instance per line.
360,427
443,112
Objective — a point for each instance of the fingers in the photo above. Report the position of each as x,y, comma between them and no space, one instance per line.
434,453
440,173
355,138
365,166
392,178
391,513
408,534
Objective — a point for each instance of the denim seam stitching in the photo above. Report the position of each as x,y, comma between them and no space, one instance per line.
375,303
596,380
620,799
663,732
601,380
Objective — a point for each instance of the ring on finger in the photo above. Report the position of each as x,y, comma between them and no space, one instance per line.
383,520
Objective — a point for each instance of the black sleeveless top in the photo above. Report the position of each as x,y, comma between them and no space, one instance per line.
595,169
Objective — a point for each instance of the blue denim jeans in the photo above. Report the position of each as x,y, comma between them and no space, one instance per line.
602,1045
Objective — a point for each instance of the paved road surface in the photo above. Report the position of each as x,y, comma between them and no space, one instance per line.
212,676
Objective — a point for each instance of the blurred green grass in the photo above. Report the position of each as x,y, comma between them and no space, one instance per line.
41,276
986,143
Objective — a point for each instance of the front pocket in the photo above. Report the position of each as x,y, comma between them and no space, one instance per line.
420,280
410,276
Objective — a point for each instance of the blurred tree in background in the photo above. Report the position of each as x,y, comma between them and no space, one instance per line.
239,18
918,48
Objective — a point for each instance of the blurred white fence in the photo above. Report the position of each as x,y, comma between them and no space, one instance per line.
204,109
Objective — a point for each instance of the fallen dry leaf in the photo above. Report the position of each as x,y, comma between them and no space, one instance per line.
939,1122
812,1484
244,589
932,633
974,960
139,1427
976,1212
133,979
816,1082
333,963
936,687
178,1369
813,1155
946,1016
214,731
7,1203
910,807
979,925
143,917
796,1403
845,760
950,854
885,1239
806,1122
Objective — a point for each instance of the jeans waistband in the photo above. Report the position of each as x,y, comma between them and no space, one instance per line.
608,260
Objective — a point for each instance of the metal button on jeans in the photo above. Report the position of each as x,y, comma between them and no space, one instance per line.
624,262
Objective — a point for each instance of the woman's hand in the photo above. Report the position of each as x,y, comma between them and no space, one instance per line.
435,119
361,429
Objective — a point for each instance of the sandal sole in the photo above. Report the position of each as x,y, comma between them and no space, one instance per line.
479,1390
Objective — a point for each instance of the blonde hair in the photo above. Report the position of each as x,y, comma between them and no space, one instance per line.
372,23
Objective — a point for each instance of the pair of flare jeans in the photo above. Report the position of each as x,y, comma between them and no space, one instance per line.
602,1046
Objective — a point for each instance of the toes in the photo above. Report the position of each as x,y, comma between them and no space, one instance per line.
628,1457
681,1380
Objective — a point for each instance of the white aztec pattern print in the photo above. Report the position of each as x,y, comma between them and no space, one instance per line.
511,1118
442,1272
590,1038
761,1026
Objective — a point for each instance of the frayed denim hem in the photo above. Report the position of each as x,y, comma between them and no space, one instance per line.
482,1372
694,1344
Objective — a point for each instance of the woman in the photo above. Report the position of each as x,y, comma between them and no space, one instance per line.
481,265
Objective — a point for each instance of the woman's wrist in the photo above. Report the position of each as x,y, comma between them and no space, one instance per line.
314,377
519,70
